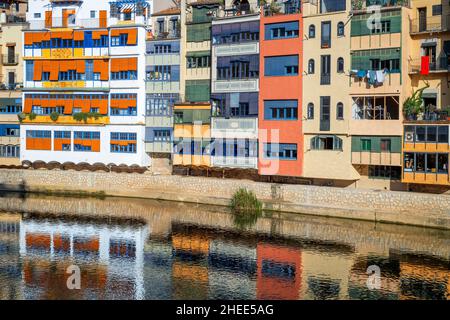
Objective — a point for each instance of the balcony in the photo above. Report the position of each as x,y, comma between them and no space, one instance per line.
234,49
79,85
235,162
358,5
441,65
430,115
66,120
439,23
59,22
281,8
158,147
235,85
10,59
11,86
239,128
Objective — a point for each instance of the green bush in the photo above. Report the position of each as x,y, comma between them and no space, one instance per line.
32,116
84,116
54,116
21,116
246,208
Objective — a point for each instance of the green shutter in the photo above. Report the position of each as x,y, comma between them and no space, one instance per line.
198,90
205,53
198,32
356,144
396,144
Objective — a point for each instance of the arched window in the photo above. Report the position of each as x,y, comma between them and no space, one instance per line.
311,66
340,29
340,65
312,31
310,111
340,111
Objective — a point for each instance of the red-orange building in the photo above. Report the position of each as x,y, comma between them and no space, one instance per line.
280,99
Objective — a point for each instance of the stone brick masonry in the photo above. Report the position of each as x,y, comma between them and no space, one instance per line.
383,206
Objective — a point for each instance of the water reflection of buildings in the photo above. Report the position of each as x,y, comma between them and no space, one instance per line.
10,268
109,255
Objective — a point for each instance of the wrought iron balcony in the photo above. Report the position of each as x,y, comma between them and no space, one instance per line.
10,59
440,23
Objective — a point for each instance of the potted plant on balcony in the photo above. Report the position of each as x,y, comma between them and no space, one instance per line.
54,116
413,106
32,116
21,116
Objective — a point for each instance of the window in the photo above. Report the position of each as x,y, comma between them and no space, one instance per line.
310,111
39,134
281,30
325,113
366,145
121,40
123,136
385,145
161,135
333,5
443,134
340,111
92,14
280,151
376,108
384,172
280,110
383,26
62,134
312,31
340,29
11,109
281,66
198,62
311,66
124,75
9,151
87,135
325,70
326,143
437,9
37,15
326,34
12,132
163,73
340,65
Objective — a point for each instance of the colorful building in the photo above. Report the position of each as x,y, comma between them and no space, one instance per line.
163,87
280,128
378,87
12,21
84,95
235,86
426,131
326,104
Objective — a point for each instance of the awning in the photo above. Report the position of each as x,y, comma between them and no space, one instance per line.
429,44
430,93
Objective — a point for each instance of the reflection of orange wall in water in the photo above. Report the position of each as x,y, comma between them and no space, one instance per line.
38,240
279,288
190,243
194,273
51,278
91,245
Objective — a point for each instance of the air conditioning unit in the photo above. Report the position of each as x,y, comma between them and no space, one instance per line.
409,136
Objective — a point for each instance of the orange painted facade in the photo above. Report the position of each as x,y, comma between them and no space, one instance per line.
279,271
280,88
39,143
94,144
85,103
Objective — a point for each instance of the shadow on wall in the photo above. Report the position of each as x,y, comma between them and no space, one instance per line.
19,190
435,189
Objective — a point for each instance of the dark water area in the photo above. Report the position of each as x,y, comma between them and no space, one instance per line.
143,249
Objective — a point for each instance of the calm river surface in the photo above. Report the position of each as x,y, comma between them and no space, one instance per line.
143,249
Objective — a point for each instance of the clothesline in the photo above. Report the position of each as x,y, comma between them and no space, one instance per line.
373,76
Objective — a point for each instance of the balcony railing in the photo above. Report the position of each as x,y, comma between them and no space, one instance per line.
325,79
430,114
235,162
439,23
59,22
363,4
440,65
10,59
234,128
11,86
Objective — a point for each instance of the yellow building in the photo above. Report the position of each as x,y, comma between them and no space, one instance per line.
192,134
12,21
326,64
426,129
379,83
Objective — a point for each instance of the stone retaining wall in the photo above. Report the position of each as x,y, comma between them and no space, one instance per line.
385,206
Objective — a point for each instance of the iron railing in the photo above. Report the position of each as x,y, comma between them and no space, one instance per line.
439,23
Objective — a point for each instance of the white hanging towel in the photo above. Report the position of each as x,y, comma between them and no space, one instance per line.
381,76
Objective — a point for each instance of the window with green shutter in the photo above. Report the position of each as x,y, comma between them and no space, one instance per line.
363,24
198,32
366,145
198,90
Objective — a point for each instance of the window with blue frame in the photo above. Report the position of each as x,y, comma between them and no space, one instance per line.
39,134
154,47
82,148
45,76
281,66
130,111
281,110
281,151
235,32
242,67
62,134
160,104
71,75
161,135
8,130
124,136
87,135
120,40
124,75
89,72
274,31
10,109
163,73
29,70
129,148
46,110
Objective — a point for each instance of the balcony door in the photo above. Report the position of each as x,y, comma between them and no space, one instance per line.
11,54
422,19
429,49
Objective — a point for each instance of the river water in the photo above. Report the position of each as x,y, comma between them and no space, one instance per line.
144,249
